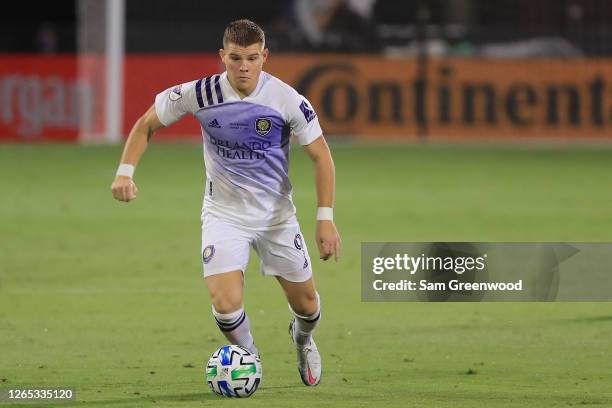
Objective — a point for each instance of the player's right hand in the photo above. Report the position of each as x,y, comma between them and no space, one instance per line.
124,189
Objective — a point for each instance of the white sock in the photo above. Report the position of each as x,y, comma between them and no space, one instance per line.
236,328
305,325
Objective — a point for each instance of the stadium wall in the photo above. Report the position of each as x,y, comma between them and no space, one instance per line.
42,99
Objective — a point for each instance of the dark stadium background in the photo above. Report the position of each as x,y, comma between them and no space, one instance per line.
154,27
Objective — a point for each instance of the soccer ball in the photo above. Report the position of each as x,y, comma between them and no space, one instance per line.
233,371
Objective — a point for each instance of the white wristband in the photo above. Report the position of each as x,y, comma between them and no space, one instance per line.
126,170
325,213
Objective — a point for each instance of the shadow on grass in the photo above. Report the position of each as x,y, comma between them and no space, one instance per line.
591,319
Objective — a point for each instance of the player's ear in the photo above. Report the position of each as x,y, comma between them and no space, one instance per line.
221,53
265,53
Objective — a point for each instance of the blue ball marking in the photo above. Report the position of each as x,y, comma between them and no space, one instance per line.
226,355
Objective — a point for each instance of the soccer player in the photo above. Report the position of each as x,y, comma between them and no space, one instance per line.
247,117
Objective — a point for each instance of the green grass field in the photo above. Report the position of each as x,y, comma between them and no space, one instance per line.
107,297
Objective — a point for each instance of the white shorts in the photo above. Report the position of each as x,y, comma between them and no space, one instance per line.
282,251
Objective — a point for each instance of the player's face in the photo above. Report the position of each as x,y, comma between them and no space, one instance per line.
243,65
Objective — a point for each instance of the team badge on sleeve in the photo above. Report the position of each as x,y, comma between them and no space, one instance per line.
175,93
307,111
263,126
208,253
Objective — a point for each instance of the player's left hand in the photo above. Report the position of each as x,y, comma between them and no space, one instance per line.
328,240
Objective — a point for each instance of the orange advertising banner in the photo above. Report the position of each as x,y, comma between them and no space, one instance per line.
371,96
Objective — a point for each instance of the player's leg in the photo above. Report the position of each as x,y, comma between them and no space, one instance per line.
283,254
225,254
225,291
304,302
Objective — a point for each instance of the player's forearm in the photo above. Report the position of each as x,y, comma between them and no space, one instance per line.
136,143
325,179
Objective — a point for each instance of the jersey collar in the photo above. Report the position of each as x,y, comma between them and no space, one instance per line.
234,95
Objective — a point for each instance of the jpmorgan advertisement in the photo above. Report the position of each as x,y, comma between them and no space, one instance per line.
50,98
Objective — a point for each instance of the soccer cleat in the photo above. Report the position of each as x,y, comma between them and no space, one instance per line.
308,360
255,351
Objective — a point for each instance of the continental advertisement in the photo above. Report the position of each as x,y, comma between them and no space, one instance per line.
43,98
368,97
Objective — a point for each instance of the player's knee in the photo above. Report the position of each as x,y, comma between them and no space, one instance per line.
307,304
226,303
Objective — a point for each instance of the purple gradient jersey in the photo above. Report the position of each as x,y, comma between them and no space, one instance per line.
246,144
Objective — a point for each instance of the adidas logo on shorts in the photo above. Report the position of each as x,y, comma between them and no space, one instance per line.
213,123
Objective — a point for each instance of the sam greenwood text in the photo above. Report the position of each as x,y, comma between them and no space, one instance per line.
453,285
422,263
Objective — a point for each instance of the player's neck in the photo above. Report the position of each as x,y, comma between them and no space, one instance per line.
244,92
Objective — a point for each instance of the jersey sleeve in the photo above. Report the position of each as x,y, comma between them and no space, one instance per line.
173,103
303,119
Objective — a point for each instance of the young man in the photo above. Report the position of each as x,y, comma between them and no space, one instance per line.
247,117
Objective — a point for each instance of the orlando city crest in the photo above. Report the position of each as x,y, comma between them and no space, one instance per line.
208,253
263,126
298,241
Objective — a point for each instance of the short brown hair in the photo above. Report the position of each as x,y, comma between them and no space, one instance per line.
243,33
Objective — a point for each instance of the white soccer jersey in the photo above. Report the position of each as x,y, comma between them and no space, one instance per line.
246,144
